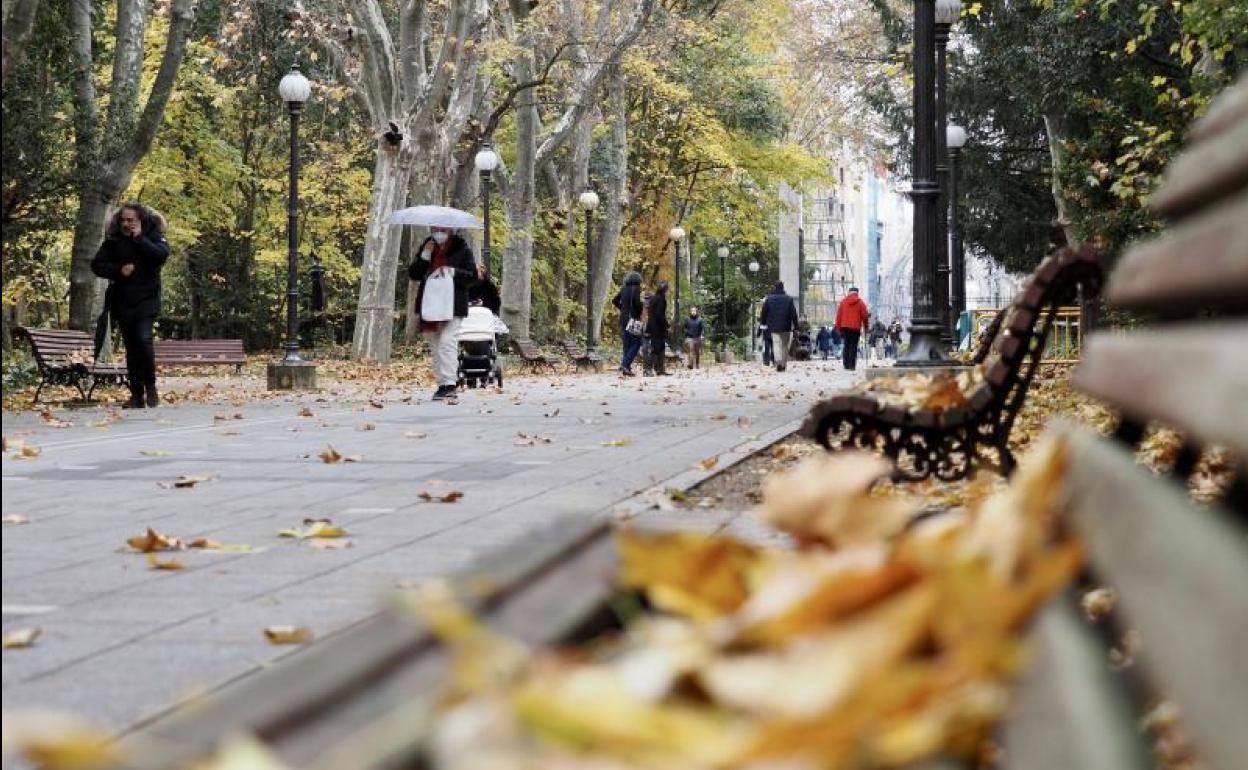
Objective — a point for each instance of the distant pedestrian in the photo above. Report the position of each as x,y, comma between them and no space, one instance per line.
762,334
894,338
444,256
779,315
823,341
877,337
695,331
836,342
657,327
631,307
851,318
131,257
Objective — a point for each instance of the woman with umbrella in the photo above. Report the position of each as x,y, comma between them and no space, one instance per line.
445,267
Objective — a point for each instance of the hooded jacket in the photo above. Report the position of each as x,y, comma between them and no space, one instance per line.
459,258
138,294
657,323
779,313
852,313
628,300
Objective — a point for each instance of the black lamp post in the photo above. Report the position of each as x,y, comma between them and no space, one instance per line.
955,138
677,234
292,371
926,348
722,252
947,12
486,161
589,202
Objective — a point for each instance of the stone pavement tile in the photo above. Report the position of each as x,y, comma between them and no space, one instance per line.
63,641
243,623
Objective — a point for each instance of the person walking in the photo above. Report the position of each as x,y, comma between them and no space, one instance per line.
894,338
779,315
628,300
768,356
823,341
132,255
878,336
657,327
444,254
851,318
695,331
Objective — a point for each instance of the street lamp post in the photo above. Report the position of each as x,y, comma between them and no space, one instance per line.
722,252
955,138
753,294
589,202
925,345
292,372
677,234
486,161
947,12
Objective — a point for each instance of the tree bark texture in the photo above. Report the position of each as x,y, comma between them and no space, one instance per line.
1054,130
615,185
106,161
374,319
19,22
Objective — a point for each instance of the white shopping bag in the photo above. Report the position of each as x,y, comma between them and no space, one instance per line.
438,301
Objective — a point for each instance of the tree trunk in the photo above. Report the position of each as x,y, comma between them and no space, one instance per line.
93,209
374,321
1054,130
517,291
615,185
19,21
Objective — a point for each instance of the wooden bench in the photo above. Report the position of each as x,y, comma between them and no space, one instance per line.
1179,569
531,357
67,357
953,443
580,358
201,353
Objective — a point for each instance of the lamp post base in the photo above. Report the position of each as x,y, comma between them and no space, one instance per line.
292,375
926,348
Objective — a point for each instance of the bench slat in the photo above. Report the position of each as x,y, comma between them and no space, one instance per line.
1199,264
1193,377
1203,174
1180,572
1070,710
1228,109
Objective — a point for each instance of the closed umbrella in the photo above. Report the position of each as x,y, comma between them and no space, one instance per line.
434,216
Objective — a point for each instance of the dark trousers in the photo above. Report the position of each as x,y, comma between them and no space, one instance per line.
658,354
768,354
632,345
849,356
136,333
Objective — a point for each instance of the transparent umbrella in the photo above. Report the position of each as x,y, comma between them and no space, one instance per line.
434,216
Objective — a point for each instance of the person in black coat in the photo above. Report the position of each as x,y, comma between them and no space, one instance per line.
657,327
132,255
695,331
628,301
779,315
444,251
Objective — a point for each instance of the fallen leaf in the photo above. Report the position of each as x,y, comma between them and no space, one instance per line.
58,741
155,541
16,518
323,544
20,638
1098,603
414,434
619,442
449,497
288,635
52,421
155,562
551,414
944,393
526,439
366,426
709,463
306,412
28,452
744,422
154,453
330,455
184,482
374,403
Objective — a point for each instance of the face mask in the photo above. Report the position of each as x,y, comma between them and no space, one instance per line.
439,238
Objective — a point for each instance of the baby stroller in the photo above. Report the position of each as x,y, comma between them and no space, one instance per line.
478,348
802,347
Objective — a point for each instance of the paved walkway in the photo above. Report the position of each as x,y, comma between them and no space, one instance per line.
122,641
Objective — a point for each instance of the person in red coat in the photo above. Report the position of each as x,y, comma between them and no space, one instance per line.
851,319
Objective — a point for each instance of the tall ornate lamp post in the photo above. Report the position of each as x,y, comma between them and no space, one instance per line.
722,252
486,161
925,345
947,12
292,372
589,202
955,138
754,266
677,234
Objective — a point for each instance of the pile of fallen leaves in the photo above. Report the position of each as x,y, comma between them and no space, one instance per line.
936,392
884,638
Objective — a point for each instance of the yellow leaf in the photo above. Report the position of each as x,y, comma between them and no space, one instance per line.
164,564
330,455
15,518
20,638
686,573
619,442
59,742
155,541
288,634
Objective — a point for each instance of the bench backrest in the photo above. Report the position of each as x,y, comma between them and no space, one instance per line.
1179,568
525,348
200,351
60,348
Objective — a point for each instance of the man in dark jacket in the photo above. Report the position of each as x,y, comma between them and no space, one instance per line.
631,307
851,318
779,315
132,255
444,253
657,327
695,331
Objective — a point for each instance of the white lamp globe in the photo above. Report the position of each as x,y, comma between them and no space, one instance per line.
589,200
722,251
754,266
294,88
955,137
948,11
486,159
676,233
